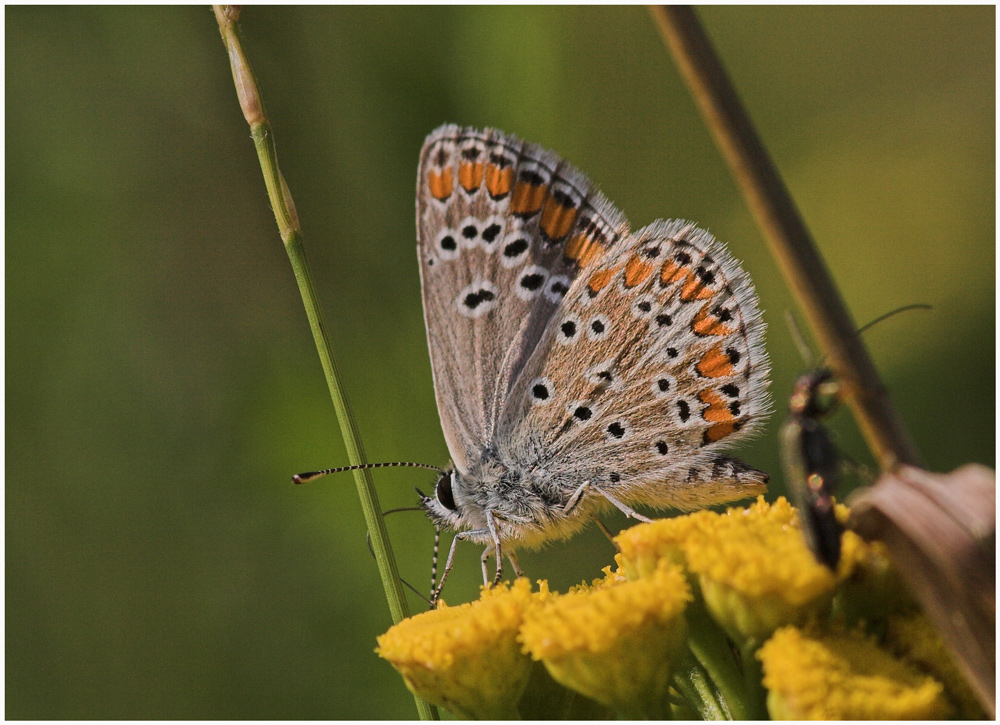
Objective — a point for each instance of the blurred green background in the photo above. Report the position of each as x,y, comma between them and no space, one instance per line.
162,384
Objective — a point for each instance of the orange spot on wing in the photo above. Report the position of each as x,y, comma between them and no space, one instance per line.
715,363
527,198
582,249
557,219
671,272
718,408
600,279
706,323
637,271
499,180
470,175
720,430
440,183
695,289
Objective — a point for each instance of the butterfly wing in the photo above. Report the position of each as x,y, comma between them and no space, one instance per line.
654,361
500,230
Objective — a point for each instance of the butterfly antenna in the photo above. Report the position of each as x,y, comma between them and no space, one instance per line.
313,475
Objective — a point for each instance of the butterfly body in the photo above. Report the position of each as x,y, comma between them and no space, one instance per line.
577,364
530,502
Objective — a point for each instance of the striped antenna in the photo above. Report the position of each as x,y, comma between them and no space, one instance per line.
313,475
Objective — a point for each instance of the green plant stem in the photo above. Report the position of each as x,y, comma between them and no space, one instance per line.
756,695
288,226
352,441
693,683
645,711
710,647
783,227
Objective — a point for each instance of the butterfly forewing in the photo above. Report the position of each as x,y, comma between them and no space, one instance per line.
502,228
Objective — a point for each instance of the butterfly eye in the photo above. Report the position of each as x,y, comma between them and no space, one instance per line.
443,492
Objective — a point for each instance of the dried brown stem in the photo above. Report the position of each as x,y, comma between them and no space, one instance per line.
789,239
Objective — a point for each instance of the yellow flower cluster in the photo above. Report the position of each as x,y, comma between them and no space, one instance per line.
646,633
751,565
614,641
844,676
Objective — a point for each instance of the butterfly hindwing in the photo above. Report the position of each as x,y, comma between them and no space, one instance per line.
653,362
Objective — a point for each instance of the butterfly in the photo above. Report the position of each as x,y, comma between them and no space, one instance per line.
578,365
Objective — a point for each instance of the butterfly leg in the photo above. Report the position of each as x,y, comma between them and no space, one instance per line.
576,498
622,507
491,524
512,558
604,530
487,553
451,558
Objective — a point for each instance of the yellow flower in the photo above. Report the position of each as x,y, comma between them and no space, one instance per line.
467,658
843,676
643,546
914,638
755,570
610,578
617,643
